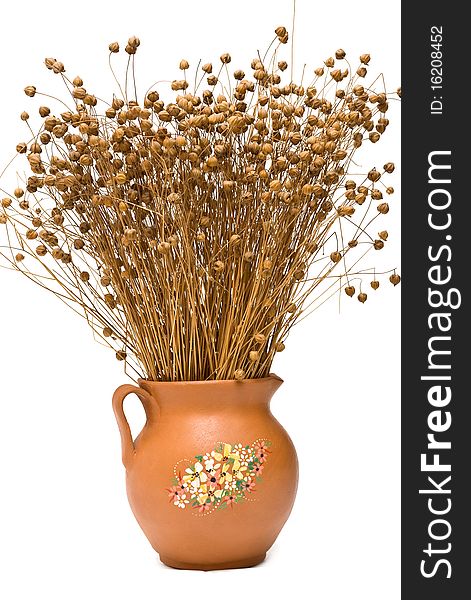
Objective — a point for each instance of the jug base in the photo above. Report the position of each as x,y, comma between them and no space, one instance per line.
232,564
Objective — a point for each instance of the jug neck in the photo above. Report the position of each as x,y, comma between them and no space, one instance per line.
213,395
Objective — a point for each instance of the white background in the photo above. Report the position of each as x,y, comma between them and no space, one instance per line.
66,530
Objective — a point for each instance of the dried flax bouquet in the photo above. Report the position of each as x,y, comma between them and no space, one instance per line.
193,233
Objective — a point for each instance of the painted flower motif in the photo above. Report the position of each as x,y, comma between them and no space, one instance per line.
225,475
210,465
202,494
257,469
172,492
181,501
261,451
212,471
230,500
238,469
261,445
227,453
195,475
245,458
249,486
215,493
177,490
213,478
202,508
222,477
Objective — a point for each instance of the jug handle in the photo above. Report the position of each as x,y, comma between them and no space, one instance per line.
150,408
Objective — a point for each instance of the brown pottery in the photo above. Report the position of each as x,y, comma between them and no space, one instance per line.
212,477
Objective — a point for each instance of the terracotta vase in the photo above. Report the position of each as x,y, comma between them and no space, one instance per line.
212,476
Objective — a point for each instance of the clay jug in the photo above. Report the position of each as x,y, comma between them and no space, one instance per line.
212,477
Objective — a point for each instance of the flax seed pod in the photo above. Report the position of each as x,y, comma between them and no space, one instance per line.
235,240
212,162
350,290
254,356
345,211
395,279
30,91
374,175
307,189
239,374
57,254
163,248
335,257
57,67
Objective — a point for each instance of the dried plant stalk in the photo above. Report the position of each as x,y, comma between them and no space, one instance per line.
192,235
